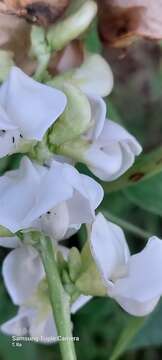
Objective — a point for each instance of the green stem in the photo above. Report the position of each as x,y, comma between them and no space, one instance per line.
146,166
127,226
59,299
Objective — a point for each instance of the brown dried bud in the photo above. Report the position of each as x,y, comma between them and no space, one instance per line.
15,37
122,21
41,12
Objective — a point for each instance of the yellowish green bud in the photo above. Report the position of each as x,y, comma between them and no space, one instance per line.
74,24
76,118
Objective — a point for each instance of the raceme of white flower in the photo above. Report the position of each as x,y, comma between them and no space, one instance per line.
27,110
133,280
24,278
53,199
106,148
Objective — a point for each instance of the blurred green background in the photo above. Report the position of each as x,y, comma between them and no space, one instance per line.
105,330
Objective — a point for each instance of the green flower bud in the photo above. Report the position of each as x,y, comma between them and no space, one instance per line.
41,52
74,149
74,263
75,23
76,118
84,282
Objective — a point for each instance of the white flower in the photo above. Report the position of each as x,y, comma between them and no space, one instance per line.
25,281
106,148
112,149
27,110
52,199
134,281
94,76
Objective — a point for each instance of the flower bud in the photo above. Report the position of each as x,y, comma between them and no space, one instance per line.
74,263
76,118
84,282
93,77
72,26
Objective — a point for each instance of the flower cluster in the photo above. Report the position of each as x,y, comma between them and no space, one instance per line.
55,126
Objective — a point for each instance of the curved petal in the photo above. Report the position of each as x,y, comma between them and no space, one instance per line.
72,230
40,105
98,116
27,187
109,249
56,222
10,242
81,206
22,271
94,76
20,186
43,327
113,152
94,190
53,189
19,324
5,122
8,141
79,303
137,308
142,286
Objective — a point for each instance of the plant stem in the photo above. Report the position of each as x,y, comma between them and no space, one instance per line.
58,297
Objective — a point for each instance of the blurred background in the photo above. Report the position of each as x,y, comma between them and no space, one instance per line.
105,330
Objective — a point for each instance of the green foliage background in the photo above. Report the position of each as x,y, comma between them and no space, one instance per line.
105,330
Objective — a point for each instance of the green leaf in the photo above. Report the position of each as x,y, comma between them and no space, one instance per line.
147,194
128,333
150,334
145,167
98,325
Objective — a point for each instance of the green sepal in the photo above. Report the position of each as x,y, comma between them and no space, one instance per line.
76,118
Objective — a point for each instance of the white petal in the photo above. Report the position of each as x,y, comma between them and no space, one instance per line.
142,287
109,249
22,271
9,242
43,327
72,230
20,186
79,209
79,303
87,196
55,223
137,308
112,153
98,116
64,250
94,190
32,107
95,76
19,324
5,122
54,188
9,141
34,190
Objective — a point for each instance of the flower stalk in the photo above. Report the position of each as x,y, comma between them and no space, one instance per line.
59,299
